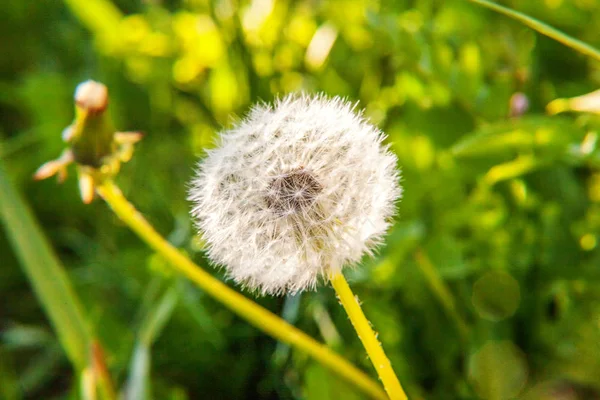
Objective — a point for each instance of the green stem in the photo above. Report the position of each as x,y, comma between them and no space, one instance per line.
245,308
542,28
368,338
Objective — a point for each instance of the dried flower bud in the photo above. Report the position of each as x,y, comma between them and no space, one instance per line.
92,142
91,96
295,192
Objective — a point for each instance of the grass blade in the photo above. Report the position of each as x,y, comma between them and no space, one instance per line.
542,28
150,329
46,275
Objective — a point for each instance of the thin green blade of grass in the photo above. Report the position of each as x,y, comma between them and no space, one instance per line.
191,300
139,370
542,28
47,276
44,367
154,323
150,328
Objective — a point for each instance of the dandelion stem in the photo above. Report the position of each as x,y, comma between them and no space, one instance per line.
245,308
367,337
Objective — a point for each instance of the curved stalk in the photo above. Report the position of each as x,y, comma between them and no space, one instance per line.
542,28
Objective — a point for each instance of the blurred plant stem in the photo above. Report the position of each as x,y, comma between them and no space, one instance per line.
245,308
542,28
138,382
53,289
441,291
101,17
368,337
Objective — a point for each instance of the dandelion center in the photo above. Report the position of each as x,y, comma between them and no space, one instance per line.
293,192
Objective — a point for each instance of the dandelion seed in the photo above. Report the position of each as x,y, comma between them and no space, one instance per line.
295,192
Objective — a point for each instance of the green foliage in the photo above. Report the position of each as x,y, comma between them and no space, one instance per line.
488,283
45,274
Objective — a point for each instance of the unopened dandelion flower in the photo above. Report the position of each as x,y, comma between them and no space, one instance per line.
295,192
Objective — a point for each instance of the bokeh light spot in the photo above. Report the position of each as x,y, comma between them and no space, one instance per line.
496,296
498,370
588,242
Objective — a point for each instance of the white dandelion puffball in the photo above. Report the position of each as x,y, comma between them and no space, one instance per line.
295,192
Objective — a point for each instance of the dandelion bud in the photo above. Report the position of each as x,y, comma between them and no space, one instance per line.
92,142
295,192
91,96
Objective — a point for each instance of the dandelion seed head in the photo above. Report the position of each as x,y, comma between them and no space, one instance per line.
294,192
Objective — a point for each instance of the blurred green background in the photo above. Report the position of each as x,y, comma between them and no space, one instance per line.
489,283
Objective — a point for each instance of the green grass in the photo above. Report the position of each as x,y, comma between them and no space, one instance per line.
491,189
